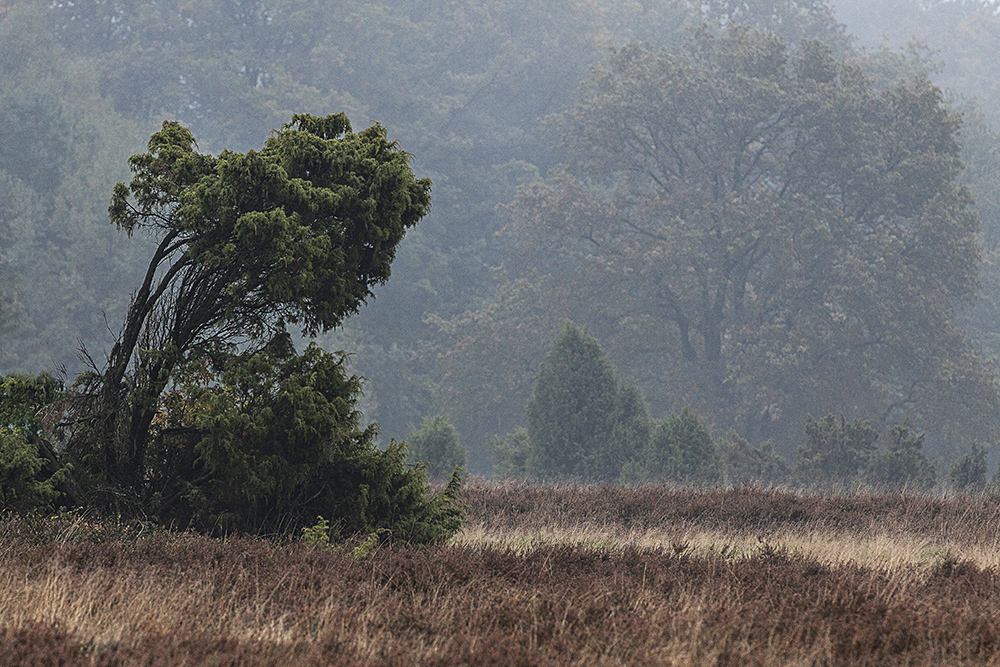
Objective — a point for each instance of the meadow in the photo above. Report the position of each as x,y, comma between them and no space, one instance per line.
541,575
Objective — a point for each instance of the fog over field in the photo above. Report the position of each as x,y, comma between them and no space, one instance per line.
754,214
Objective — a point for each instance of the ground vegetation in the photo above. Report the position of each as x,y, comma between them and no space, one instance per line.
542,575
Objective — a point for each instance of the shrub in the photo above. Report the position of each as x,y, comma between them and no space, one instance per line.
276,442
835,452
968,473
745,464
571,411
21,488
681,450
436,445
29,471
22,398
510,454
632,429
903,463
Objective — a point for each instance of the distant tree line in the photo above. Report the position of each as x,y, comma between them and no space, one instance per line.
585,425
761,232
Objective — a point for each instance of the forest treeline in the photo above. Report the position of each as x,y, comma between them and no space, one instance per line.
759,223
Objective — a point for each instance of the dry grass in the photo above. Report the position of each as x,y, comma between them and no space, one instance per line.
882,551
858,530
541,575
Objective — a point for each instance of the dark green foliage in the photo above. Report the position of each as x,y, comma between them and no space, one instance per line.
681,450
436,445
251,435
276,441
903,463
297,233
969,472
23,398
21,486
633,427
28,470
835,452
582,423
746,464
510,454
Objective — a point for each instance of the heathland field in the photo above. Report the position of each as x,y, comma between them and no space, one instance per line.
541,575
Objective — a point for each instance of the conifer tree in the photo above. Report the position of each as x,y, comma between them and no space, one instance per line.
249,244
903,463
969,472
835,452
582,423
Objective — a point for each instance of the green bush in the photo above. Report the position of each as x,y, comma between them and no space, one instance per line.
632,430
835,453
681,450
969,472
436,445
510,454
23,397
276,442
745,464
903,463
27,478
582,423
21,488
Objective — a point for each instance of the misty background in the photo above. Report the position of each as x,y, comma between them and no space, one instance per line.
465,86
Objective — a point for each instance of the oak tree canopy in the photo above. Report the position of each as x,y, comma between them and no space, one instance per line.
766,233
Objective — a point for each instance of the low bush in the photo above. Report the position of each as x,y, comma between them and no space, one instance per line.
436,445
969,472
903,463
746,464
680,450
510,454
836,452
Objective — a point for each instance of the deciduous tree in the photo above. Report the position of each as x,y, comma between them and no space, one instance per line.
792,232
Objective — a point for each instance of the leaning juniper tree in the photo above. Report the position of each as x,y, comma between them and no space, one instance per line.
296,234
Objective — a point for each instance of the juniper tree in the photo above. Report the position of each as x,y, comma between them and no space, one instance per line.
903,463
582,423
295,234
969,472
835,452
682,450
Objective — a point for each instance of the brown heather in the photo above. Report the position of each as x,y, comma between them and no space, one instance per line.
554,575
